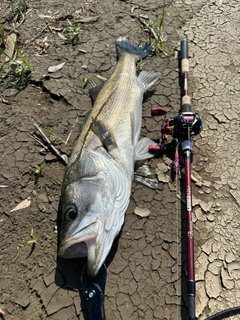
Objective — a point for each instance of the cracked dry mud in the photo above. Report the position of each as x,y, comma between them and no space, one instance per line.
147,265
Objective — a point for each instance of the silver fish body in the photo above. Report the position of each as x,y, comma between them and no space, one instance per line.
97,183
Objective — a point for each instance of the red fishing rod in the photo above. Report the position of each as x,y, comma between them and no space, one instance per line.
182,127
188,121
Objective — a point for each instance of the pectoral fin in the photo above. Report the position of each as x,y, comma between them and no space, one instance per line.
142,149
105,134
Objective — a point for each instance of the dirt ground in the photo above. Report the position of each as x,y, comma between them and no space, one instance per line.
147,265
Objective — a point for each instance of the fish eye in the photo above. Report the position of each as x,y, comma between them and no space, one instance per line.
70,213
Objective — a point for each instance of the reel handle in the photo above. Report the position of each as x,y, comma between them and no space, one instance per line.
158,112
156,148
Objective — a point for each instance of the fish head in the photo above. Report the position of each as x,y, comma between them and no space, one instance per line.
85,231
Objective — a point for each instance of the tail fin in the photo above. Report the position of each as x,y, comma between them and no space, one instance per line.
123,46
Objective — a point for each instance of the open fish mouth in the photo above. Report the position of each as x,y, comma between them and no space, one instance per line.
77,245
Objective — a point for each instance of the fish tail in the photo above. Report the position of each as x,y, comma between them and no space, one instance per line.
140,52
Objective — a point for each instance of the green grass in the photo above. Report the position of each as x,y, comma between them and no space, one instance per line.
25,63
54,137
33,240
74,32
19,7
16,72
39,168
86,80
20,4
140,64
159,43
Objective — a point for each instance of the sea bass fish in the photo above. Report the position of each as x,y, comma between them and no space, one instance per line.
97,183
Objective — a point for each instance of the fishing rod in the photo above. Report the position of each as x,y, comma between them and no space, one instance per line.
182,127
188,123
191,124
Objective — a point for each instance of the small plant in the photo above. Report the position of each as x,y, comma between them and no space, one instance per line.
25,63
33,240
20,4
86,80
75,32
159,37
19,71
20,8
39,168
140,64
53,135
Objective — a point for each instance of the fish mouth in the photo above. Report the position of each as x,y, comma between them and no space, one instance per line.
78,244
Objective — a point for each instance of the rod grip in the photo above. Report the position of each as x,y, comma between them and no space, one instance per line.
186,104
184,56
